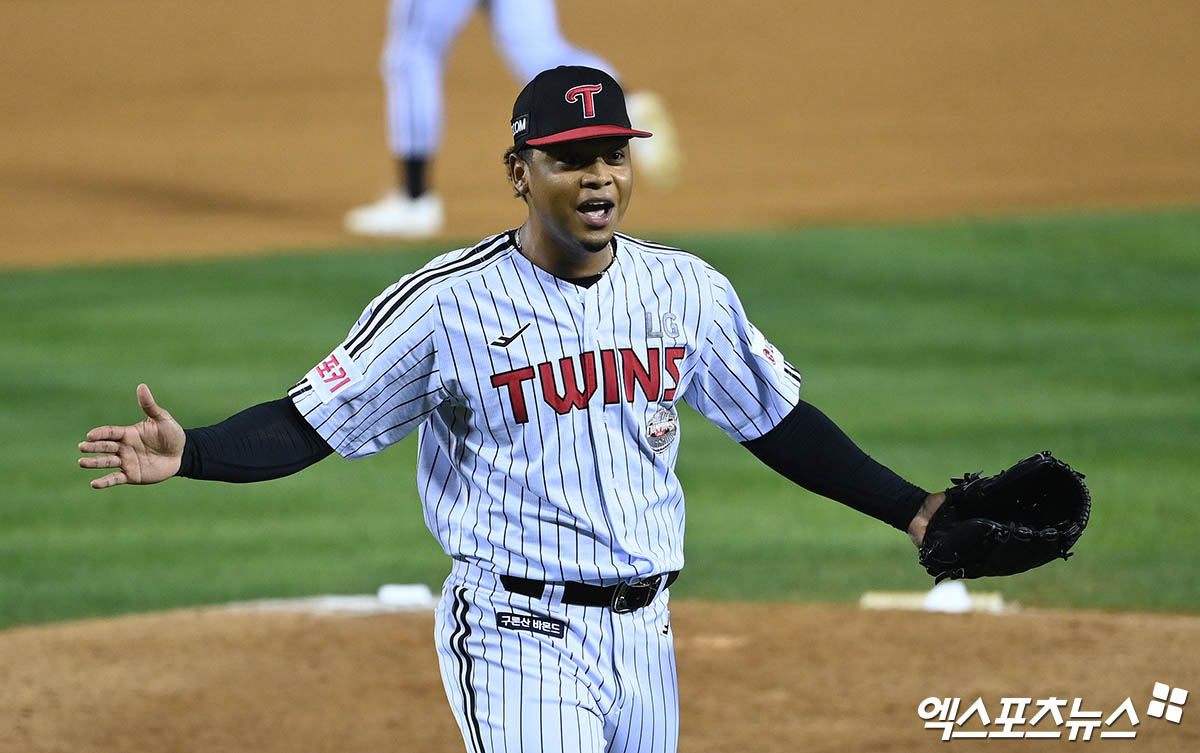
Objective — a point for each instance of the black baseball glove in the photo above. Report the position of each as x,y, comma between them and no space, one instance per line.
1022,518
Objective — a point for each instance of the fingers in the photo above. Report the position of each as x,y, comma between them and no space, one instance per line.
105,433
149,407
112,479
100,461
107,459
108,447
103,462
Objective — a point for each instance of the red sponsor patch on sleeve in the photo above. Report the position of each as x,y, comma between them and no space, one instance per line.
334,374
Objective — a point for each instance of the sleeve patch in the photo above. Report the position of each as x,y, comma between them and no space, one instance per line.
765,350
334,374
772,355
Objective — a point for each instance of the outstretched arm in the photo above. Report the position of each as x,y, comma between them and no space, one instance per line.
145,453
808,448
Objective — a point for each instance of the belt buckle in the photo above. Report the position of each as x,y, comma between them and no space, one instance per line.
632,596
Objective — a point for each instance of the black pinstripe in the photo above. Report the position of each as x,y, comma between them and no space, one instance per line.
458,645
388,307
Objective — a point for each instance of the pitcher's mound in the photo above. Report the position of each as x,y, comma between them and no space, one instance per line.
761,677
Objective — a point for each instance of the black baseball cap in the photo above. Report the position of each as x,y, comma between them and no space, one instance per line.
570,103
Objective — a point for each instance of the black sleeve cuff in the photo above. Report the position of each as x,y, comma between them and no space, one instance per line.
808,448
267,441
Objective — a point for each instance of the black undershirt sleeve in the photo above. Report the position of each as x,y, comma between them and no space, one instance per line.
270,440
808,448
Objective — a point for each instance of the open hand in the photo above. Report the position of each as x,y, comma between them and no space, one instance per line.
144,453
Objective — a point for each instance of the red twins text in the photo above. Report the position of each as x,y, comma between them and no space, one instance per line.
569,383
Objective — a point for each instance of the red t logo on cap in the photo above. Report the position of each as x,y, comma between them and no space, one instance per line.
586,93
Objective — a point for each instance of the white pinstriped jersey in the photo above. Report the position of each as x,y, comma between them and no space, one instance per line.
546,410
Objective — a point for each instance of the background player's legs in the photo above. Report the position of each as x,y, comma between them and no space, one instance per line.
530,41
420,33
419,36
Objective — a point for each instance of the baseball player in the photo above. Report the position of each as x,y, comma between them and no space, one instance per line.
419,36
542,369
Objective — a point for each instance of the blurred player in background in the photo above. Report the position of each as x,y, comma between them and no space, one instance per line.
420,33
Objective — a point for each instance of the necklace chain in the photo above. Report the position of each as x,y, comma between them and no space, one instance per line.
611,259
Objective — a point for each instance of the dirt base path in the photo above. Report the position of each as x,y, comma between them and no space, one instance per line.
200,127
753,678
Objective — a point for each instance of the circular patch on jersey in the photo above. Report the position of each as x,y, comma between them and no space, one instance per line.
662,429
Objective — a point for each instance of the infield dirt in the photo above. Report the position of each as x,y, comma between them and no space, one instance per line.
764,678
136,130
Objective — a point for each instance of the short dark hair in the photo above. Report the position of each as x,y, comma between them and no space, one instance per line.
523,154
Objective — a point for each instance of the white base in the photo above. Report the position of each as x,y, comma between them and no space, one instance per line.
949,596
390,598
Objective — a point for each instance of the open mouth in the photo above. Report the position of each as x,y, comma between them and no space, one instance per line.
596,212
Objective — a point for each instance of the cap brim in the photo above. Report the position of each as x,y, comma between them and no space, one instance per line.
587,132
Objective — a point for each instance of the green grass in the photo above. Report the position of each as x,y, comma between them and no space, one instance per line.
940,348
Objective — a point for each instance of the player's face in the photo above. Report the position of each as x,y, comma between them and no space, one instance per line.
579,191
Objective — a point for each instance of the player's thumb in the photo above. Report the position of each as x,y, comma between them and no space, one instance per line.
149,407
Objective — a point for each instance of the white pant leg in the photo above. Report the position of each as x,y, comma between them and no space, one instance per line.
527,34
521,691
645,718
419,36
604,682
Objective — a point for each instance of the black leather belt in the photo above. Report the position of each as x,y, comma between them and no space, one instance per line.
621,598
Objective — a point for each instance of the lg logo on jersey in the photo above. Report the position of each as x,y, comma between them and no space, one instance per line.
655,377
657,326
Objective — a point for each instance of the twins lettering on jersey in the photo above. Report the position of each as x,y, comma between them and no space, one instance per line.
570,383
